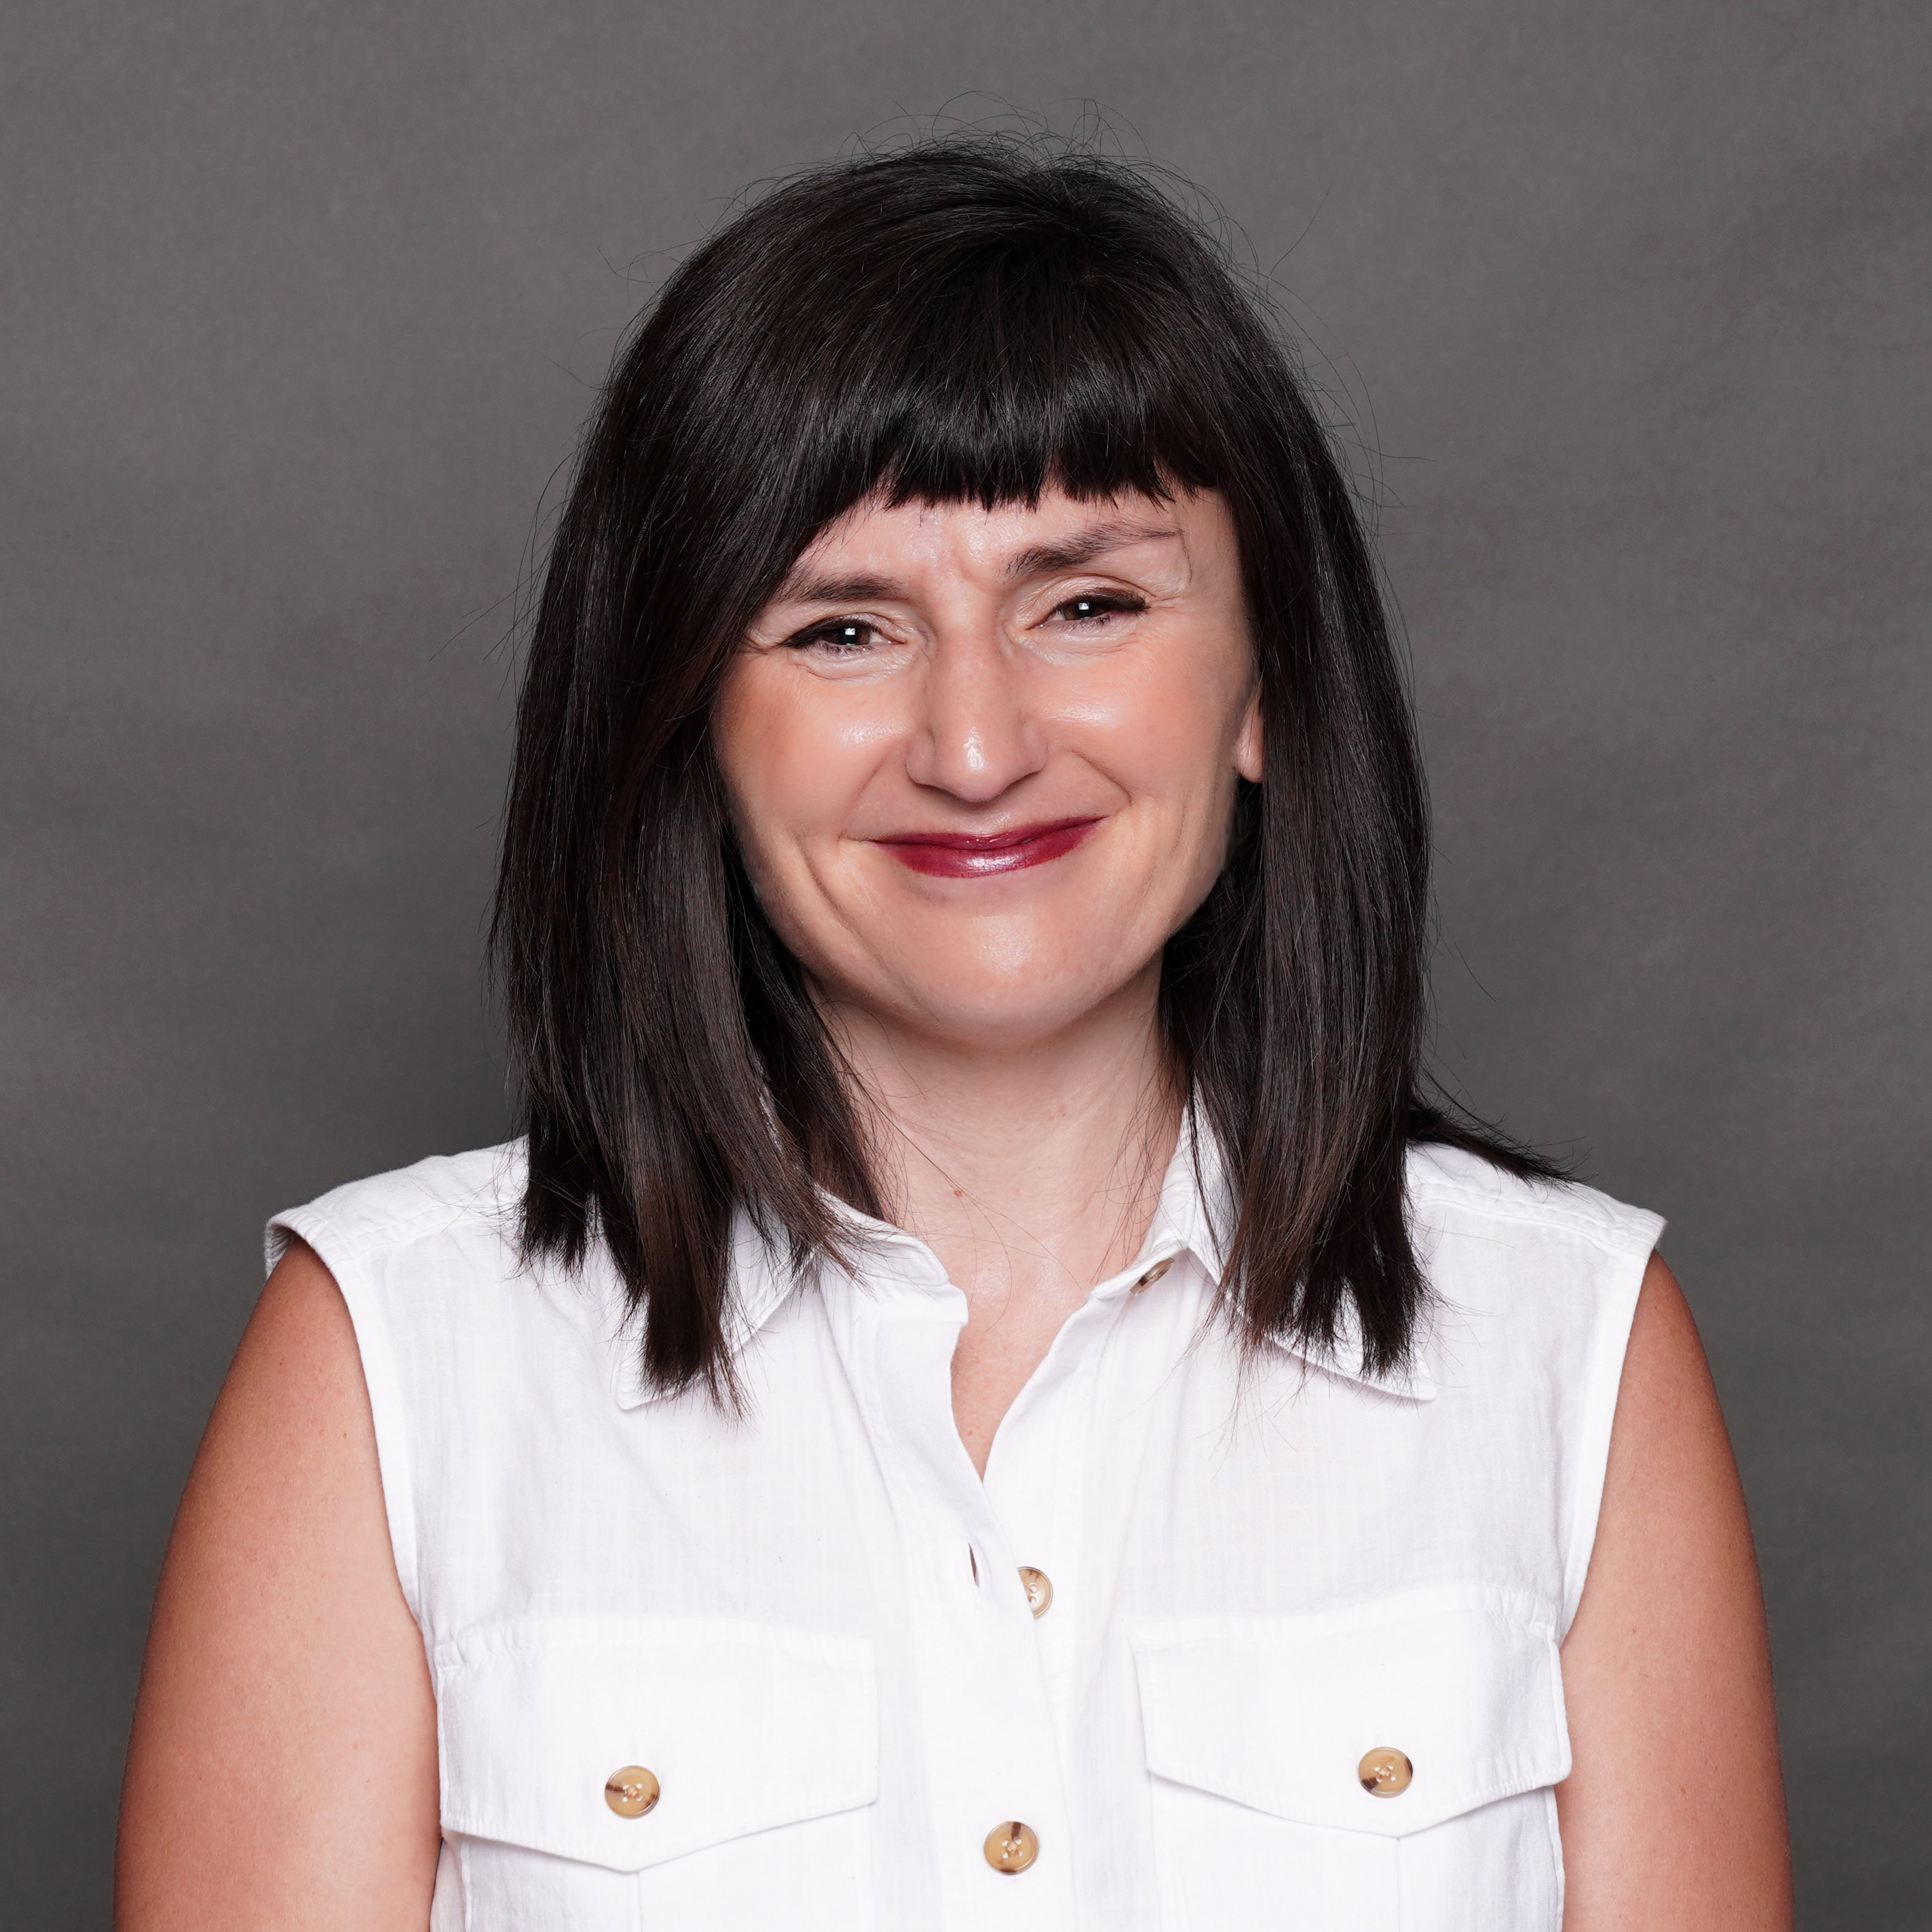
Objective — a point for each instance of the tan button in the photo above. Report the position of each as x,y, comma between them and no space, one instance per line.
1384,1772
631,1790
1153,1275
1012,1846
1039,1589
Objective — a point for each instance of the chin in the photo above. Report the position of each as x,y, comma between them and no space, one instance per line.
988,984
994,1011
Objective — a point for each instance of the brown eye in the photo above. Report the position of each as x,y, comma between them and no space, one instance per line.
1088,609
837,637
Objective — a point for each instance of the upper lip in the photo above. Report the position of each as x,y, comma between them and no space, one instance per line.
986,842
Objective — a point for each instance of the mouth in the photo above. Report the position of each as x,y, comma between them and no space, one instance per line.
960,855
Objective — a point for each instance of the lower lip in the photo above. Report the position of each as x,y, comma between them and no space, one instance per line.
980,859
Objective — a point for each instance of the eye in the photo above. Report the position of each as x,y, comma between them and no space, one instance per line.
1091,607
836,637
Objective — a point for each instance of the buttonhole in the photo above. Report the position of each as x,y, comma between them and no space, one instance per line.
972,1557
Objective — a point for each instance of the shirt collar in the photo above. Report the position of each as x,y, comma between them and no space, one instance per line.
761,1276
1197,1212
1194,1215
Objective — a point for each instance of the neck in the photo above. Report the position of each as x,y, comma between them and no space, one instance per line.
1031,1168
1031,1171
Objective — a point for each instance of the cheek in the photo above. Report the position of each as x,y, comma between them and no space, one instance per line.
793,759
1166,732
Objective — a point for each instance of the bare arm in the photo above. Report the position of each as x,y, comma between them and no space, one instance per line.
283,1771
1673,1816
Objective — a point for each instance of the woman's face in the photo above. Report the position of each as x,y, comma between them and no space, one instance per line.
981,762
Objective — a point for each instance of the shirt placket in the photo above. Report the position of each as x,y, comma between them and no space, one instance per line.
999,1826
1061,1477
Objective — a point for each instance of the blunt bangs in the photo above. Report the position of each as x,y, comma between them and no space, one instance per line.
1028,360
972,319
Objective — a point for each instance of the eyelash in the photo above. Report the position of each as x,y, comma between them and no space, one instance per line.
1104,604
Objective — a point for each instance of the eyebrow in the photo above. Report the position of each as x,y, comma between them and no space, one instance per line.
1037,560
810,588
1096,540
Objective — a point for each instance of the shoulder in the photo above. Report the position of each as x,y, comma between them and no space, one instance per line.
480,1190
1532,1281
1454,1193
1533,1286
430,1262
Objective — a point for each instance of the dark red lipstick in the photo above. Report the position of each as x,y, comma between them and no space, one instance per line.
962,855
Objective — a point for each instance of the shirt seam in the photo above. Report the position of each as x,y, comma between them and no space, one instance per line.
1588,1227
391,1239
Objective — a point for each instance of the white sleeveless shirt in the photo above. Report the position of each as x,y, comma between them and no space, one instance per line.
1299,1666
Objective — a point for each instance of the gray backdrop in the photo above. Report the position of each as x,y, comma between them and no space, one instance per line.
1628,302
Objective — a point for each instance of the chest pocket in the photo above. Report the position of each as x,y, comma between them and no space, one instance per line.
760,1751
1265,1734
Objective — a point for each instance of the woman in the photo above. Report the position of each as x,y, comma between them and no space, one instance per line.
986,1395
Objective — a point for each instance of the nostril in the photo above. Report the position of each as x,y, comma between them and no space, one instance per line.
975,760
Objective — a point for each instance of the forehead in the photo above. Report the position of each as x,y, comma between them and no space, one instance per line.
1058,532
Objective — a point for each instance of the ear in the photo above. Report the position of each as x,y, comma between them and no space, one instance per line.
1248,739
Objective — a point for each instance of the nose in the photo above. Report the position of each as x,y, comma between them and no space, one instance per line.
975,735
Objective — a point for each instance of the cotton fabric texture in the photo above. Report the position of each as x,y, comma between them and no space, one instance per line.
809,1622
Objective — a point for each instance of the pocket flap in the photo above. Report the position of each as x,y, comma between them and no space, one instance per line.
1278,1713
745,1726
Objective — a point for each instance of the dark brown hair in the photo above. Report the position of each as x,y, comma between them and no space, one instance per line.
970,318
